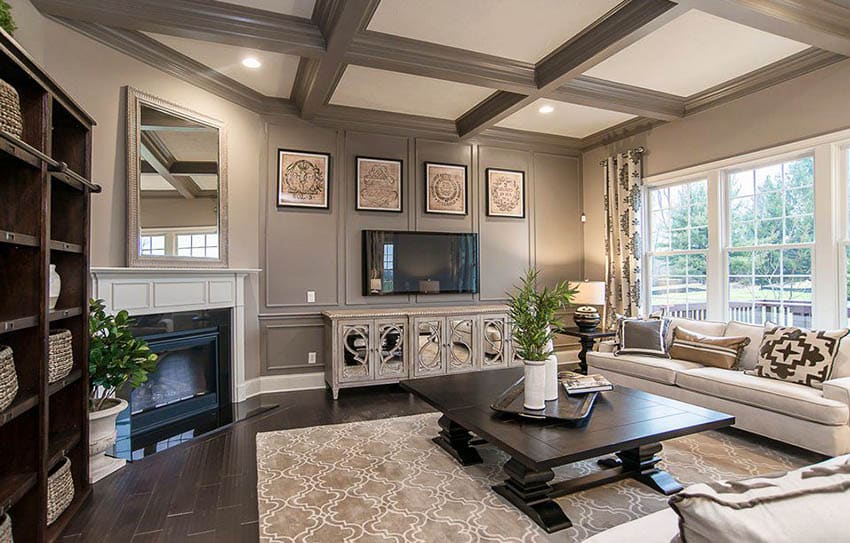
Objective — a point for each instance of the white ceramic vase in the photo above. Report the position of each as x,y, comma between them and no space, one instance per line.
551,386
102,436
55,286
535,385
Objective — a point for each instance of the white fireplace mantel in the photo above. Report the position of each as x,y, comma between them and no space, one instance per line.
146,291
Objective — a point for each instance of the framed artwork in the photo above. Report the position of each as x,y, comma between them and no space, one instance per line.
505,193
302,179
379,184
445,189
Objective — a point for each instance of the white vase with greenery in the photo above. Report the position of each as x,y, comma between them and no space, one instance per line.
533,313
116,359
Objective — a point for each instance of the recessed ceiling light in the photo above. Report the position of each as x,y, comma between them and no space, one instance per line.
251,62
546,109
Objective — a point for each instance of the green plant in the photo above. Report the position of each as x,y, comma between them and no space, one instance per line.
7,23
116,357
534,314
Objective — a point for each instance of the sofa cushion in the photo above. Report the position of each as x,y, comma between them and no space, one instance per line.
660,370
798,401
750,355
708,328
717,351
796,355
806,504
659,527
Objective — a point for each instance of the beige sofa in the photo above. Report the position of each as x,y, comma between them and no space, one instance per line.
818,420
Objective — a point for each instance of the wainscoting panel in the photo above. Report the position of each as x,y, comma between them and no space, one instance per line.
505,244
286,343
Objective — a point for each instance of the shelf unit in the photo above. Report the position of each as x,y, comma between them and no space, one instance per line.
44,219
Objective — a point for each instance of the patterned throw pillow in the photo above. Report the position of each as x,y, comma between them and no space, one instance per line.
797,356
720,352
642,337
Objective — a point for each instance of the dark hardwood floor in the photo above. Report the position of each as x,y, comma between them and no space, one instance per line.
206,490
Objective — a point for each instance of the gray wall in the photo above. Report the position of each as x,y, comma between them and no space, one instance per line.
320,249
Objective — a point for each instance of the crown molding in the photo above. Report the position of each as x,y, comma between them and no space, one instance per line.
208,20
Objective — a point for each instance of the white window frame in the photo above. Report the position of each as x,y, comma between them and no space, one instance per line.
649,253
171,236
832,235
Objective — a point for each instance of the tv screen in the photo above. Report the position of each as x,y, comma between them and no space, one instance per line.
419,263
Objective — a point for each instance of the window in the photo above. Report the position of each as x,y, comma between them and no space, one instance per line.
152,245
771,234
678,216
197,245
387,275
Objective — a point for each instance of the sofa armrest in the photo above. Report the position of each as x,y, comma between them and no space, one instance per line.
837,389
606,346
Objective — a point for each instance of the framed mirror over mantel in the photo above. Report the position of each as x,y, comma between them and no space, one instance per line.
176,186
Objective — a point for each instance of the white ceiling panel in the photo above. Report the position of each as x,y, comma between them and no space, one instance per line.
565,120
273,78
298,8
694,52
402,93
525,30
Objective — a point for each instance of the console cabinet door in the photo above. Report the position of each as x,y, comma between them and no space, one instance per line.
461,344
494,341
429,355
513,357
390,349
355,343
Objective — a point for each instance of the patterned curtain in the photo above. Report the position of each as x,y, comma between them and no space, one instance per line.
623,182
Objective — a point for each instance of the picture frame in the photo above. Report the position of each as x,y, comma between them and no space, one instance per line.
505,194
380,184
303,179
446,189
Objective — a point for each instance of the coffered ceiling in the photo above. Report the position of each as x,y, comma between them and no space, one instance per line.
456,69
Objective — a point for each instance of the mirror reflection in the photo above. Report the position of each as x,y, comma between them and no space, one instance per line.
178,186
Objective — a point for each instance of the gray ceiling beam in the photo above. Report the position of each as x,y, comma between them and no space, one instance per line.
154,151
589,91
208,20
821,23
339,22
619,28
148,50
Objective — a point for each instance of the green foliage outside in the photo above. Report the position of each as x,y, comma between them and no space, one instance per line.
778,209
533,313
116,358
7,23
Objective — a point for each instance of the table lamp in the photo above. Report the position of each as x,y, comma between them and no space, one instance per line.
590,293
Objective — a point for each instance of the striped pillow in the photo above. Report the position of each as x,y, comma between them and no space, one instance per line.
720,352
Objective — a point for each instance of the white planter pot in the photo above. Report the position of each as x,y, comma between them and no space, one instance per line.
535,384
551,386
101,438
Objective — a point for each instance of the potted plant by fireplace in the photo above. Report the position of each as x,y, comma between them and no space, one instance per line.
116,359
533,313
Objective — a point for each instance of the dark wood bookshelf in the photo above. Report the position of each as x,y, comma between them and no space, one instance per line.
46,192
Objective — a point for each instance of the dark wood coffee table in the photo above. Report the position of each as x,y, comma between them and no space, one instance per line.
627,422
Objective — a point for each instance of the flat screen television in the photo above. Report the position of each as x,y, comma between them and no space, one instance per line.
399,262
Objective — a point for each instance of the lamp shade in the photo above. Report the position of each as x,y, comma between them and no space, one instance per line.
589,292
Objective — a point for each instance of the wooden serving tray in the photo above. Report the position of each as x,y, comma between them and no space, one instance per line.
570,409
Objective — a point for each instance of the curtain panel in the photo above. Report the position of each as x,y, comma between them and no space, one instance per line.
623,244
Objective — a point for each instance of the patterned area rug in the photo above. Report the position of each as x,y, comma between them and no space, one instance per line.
385,481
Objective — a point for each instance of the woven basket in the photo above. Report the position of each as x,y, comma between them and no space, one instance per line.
8,379
60,490
6,529
61,355
11,120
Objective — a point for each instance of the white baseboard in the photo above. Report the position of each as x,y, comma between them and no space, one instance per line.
281,383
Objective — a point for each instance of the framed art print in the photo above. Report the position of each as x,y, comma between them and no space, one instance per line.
505,193
445,189
303,179
379,184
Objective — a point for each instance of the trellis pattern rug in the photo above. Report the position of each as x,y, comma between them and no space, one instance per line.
385,481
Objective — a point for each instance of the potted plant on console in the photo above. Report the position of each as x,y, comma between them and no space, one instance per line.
116,359
533,313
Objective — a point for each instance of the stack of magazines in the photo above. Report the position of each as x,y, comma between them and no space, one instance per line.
576,383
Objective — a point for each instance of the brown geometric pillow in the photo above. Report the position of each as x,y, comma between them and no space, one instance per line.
720,352
796,355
